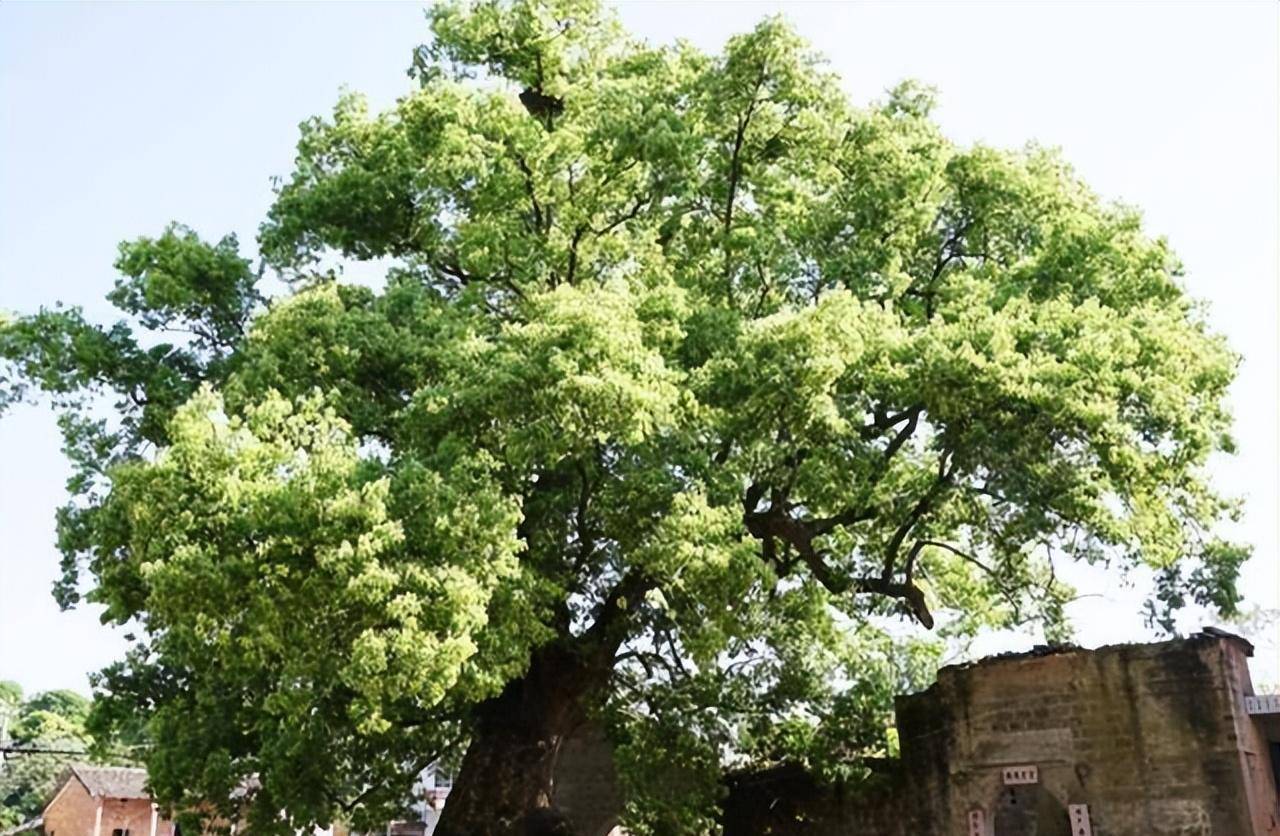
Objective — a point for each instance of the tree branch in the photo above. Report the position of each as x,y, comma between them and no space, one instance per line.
776,523
606,633
735,174
586,541
573,253
454,271
623,218
987,570
922,507
542,221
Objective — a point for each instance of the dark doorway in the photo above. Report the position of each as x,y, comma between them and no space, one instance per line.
1028,810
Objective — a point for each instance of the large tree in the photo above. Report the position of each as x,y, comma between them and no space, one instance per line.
687,377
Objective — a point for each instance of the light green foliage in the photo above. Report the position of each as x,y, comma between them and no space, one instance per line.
49,720
683,337
265,542
51,716
10,696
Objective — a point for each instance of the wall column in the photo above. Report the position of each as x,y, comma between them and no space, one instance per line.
153,818
97,818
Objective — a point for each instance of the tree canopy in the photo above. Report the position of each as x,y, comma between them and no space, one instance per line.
682,361
52,730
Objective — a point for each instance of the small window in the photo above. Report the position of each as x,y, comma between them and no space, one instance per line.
120,831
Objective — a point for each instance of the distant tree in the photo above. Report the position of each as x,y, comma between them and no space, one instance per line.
686,378
50,720
26,782
50,714
10,695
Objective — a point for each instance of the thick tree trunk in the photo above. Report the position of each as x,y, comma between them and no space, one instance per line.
505,786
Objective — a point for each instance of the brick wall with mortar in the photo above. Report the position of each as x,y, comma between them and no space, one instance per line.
586,783
72,812
1154,739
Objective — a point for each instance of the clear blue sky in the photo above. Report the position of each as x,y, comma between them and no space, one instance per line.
116,118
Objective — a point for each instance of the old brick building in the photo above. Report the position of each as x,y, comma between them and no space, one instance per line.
1134,740
103,801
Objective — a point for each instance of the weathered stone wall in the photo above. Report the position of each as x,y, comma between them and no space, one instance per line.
586,783
1153,738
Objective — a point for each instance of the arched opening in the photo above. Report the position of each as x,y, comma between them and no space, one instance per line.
1030,810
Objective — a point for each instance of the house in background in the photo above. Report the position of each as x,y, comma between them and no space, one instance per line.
104,801
114,801
429,793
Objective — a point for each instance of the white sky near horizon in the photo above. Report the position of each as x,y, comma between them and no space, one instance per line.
116,118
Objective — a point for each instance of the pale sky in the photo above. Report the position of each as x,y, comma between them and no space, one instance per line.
116,118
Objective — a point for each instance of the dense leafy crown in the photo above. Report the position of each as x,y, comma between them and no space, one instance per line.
679,339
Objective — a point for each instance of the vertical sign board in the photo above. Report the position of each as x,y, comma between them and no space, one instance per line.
978,823
1079,814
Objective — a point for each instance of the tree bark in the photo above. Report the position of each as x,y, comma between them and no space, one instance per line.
506,784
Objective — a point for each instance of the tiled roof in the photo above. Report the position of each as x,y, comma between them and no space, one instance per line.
112,781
